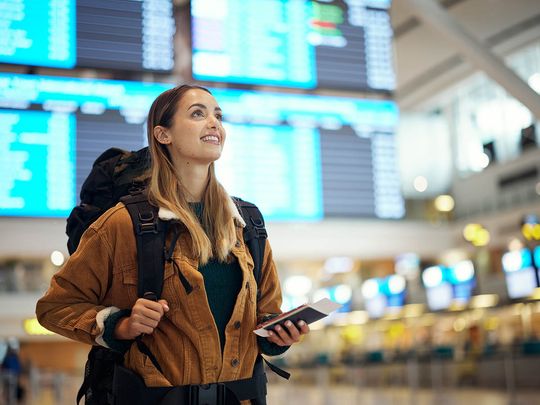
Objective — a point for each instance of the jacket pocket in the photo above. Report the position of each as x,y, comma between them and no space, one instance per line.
129,284
130,281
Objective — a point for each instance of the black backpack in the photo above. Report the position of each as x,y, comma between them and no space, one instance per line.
119,175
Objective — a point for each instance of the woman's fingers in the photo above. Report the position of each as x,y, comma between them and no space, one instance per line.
145,315
288,335
304,327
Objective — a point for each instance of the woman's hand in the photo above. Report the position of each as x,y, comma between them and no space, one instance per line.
288,335
145,316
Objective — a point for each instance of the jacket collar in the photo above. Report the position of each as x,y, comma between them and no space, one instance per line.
168,215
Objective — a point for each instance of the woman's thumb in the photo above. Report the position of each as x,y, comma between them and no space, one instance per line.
164,304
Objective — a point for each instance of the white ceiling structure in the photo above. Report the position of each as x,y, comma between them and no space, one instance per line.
428,63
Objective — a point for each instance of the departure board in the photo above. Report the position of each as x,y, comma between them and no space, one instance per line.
132,35
278,166
298,157
297,43
350,143
38,32
37,163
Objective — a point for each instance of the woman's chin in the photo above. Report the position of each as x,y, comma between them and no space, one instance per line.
211,157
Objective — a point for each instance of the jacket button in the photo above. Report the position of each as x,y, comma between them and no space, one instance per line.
237,244
237,325
235,362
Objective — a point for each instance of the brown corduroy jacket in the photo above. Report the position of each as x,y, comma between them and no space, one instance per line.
101,278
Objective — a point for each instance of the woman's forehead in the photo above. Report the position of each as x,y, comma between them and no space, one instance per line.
198,96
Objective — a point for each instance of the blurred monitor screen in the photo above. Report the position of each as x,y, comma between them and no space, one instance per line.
462,292
114,34
521,283
299,157
302,44
341,293
440,297
376,306
394,287
462,277
521,277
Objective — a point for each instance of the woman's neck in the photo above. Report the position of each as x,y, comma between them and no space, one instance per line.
194,179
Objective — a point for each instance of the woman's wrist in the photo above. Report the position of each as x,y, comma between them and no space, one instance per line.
115,332
121,330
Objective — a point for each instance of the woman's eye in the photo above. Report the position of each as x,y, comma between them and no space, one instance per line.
197,113
219,117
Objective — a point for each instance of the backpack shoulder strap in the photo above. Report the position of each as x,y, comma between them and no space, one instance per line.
255,235
150,234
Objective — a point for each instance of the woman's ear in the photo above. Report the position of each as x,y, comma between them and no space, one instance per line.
162,135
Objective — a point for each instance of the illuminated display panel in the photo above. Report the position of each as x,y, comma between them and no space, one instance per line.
298,157
38,33
384,295
439,297
520,274
114,34
59,126
303,44
448,286
350,140
37,163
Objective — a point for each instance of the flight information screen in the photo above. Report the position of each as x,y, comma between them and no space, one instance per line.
113,34
37,163
298,157
38,32
344,44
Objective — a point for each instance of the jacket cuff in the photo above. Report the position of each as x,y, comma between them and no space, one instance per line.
106,320
270,349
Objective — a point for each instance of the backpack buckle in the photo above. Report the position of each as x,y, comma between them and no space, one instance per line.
147,224
258,226
207,394
147,227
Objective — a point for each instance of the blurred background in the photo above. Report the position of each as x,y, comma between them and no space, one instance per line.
391,145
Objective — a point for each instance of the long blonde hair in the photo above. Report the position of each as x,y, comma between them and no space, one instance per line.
217,234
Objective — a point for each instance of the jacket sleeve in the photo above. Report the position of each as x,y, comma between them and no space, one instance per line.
72,305
270,302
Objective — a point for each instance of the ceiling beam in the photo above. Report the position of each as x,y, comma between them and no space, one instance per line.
475,52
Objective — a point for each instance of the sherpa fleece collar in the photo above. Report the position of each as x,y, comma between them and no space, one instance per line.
168,215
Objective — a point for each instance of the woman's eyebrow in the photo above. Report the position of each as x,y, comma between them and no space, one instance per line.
203,106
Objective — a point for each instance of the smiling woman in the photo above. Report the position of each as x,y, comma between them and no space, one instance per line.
200,331
196,122
186,137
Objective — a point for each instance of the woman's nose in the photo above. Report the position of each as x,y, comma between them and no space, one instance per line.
212,122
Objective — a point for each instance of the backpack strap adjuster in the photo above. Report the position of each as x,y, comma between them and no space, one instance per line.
258,227
207,394
147,227
147,223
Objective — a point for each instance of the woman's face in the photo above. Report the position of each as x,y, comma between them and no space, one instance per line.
197,134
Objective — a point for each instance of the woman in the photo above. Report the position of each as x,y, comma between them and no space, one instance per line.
198,336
